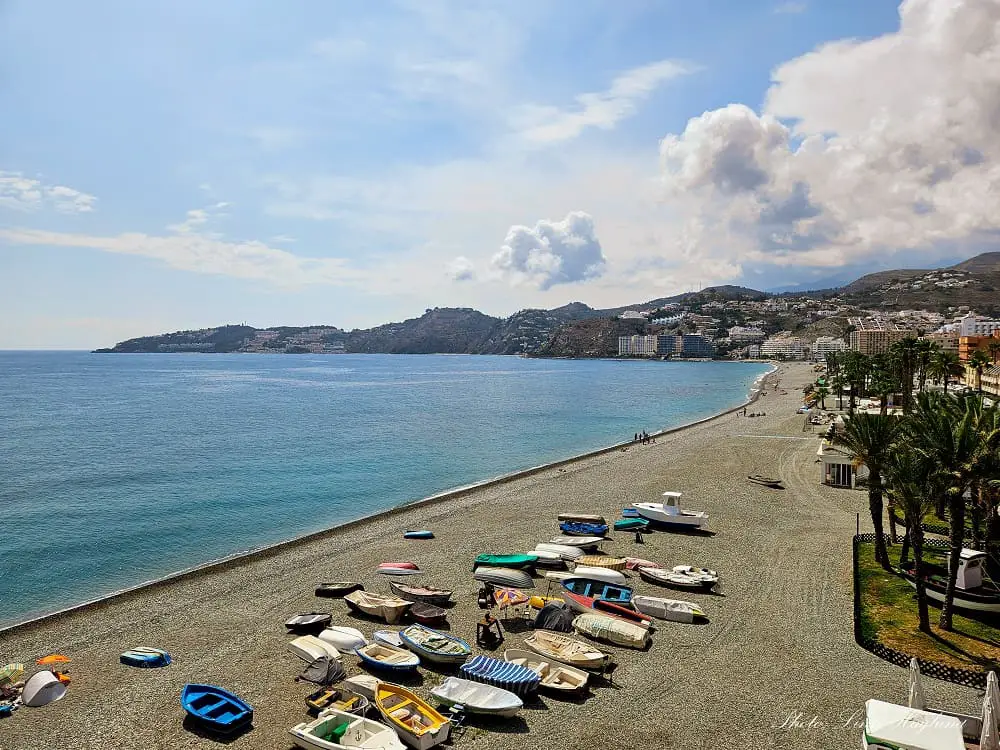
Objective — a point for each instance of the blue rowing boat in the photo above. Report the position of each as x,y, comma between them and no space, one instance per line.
215,708
516,678
595,589
578,528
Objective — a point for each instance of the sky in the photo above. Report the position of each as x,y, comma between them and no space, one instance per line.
183,164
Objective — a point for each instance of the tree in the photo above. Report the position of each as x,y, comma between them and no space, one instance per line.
883,379
926,349
869,437
839,381
856,369
910,482
945,365
906,354
821,393
979,361
956,436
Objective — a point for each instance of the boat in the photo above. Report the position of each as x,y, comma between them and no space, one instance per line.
597,589
602,561
516,579
567,650
389,638
631,524
435,646
337,589
565,551
308,622
310,648
334,730
409,565
505,561
558,575
582,518
678,580
575,528
560,678
669,513
215,708
516,678
428,594
428,614
477,698
547,559
599,574
387,658
145,657
611,630
583,542
389,608
537,602
419,534
766,481
363,684
589,604
343,638
630,513
388,570
338,699
416,722
902,728
633,563
972,591
668,609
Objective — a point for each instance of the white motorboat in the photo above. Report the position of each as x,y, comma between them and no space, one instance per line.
669,513
555,675
667,609
389,608
973,590
598,574
565,551
334,730
343,638
582,542
477,697
310,648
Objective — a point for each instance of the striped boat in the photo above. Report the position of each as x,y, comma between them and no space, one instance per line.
516,678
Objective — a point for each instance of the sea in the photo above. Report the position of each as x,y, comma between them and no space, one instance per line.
116,469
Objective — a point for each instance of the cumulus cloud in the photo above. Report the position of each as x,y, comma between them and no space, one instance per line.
889,144
28,194
552,252
547,124
461,269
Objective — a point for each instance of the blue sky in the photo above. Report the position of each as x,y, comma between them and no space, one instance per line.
168,165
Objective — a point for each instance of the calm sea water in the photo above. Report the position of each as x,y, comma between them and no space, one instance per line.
115,469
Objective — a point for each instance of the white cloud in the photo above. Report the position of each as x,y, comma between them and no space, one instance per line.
891,145
201,254
547,124
461,269
198,217
560,252
27,194
791,7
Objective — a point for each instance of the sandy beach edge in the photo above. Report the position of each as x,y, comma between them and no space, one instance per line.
266,551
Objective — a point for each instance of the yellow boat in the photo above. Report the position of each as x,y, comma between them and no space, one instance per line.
601,561
418,724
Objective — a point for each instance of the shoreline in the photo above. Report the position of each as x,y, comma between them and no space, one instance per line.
268,550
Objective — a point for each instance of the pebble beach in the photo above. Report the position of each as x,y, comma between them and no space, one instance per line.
776,665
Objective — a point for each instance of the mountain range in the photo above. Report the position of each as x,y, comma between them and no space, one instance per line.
577,329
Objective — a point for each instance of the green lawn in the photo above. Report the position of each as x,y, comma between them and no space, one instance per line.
889,612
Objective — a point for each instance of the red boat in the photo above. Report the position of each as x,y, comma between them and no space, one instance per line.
409,565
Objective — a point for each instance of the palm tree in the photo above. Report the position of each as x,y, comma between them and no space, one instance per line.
956,436
906,352
910,482
883,380
856,369
869,437
979,361
839,381
926,349
945,365
821,393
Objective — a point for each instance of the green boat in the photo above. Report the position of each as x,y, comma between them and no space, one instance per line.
506,561
631,524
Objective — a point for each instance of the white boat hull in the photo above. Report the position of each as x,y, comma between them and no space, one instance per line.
599,574
565,551
966,604
361,733
667,609
477,697
343,638
658,514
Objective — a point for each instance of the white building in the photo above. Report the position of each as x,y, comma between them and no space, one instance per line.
789,347
637,346
745,335
826,345
973,325
632,315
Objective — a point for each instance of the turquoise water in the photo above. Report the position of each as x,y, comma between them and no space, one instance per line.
115,469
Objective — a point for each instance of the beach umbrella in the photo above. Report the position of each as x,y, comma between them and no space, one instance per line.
53,659
505,597
917,699
990,738
11,673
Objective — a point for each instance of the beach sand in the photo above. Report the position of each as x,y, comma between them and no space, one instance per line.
776,666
